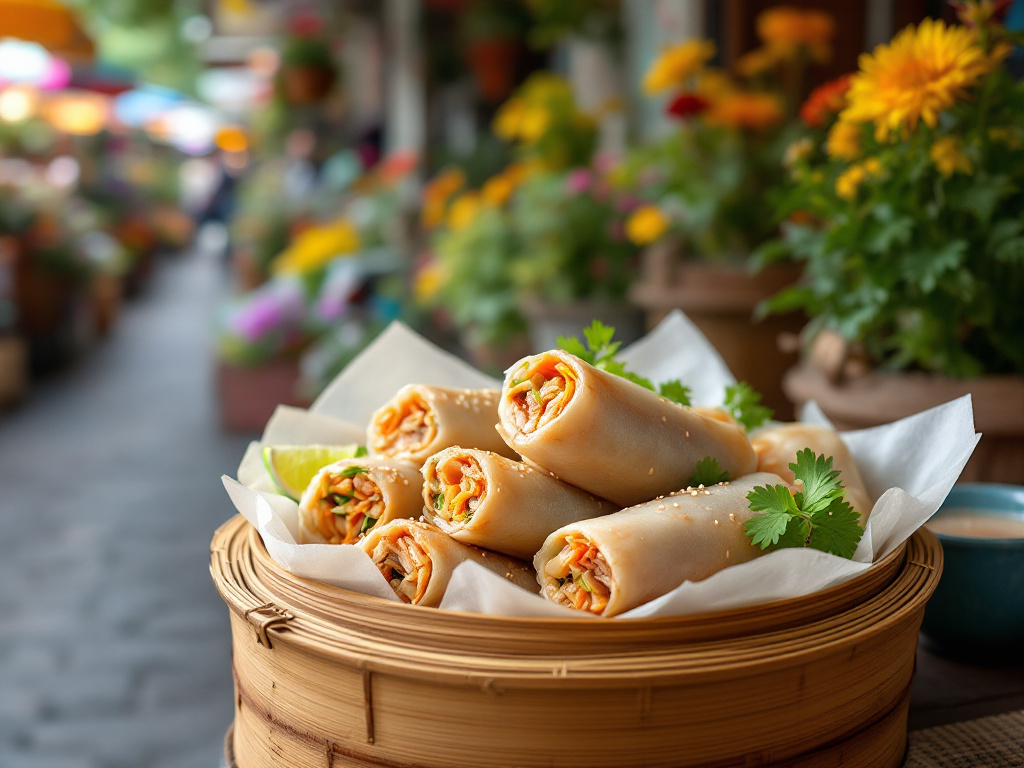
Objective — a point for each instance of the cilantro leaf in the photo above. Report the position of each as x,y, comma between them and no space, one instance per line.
744,403
573,346
599,339
368,523
707,472
352,471
835,529
675,391
817,517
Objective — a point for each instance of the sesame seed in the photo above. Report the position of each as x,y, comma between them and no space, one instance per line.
687,434
650,471
707,493
693,493
664,419
716,522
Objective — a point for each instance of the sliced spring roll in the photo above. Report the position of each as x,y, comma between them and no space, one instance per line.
611,564
776,449
482,498
421,420
609,436
418,560
349,497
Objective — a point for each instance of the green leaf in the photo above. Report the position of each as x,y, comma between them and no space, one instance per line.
894,232
835,529
772,498
360,452
368,523
675,391
339,499
573,346
820,481
766,529
707,472
599,339
352,471
438,501
1011,250
744,403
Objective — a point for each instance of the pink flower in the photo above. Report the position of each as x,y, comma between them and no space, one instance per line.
579,180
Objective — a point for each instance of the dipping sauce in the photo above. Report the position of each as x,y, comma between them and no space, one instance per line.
964,522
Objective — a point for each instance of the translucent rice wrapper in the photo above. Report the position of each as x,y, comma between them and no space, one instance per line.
909,466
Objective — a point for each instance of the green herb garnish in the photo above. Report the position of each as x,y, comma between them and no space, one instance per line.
352,471
360,452
600,352
582,584
368,523
744,403
438,501
707,472
339,499
817,517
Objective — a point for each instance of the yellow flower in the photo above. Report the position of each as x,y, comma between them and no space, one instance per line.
428,282
534,122
922,72
849,181
713,84
316,247
949,158
509,118
676,64
646,225
497,190
757,62
464,211
745,109
872,166
788,31
843,141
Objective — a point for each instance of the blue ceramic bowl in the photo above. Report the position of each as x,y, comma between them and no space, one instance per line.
977,611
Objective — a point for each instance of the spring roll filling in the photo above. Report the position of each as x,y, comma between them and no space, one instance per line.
348,505
408,425
540,390
582,578
405,564
457,486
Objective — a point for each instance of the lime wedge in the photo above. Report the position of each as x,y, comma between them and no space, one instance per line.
292,467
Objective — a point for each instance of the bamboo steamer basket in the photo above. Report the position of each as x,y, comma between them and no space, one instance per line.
328,677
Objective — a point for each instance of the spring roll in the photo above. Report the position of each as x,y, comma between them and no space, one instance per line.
349,497
418,560
776,449
611,564
482,498
421,420
609,436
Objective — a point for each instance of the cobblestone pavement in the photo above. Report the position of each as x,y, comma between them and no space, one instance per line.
114,644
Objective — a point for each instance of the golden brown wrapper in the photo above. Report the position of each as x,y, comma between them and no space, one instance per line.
650,549
399,484
777,447
421,420
505,505
613,438
431,557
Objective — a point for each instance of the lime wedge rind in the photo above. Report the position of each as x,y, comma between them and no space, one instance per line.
292,467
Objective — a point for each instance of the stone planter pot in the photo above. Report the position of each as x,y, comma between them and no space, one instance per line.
720,300
549,321
877,397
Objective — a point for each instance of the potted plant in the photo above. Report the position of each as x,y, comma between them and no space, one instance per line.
308,68
493,31
711,178
908,222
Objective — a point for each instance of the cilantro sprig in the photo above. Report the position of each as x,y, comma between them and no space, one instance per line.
707,472
817,517
600,352
744,403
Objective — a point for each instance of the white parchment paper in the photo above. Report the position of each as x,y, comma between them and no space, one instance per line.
909,465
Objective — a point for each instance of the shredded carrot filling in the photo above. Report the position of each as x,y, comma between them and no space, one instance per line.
405,564
582,578
407,425
456,486
347,507
540,390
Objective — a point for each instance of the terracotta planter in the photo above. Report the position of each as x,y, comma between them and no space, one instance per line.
13,370
876,397
549,321
306,85
106,294
720,300
248,395
493,63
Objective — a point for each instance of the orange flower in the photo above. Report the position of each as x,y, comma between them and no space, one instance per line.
844,140
757,62
746,109
436,194
676,64
825,100
790,30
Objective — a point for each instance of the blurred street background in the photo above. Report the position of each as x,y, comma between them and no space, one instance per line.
209,207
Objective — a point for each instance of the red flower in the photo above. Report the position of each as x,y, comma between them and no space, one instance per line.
825,100
686,105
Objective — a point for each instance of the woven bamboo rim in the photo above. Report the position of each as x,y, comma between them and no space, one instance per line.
314,690
342,623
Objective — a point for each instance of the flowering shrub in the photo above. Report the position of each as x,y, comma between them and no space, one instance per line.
908,211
